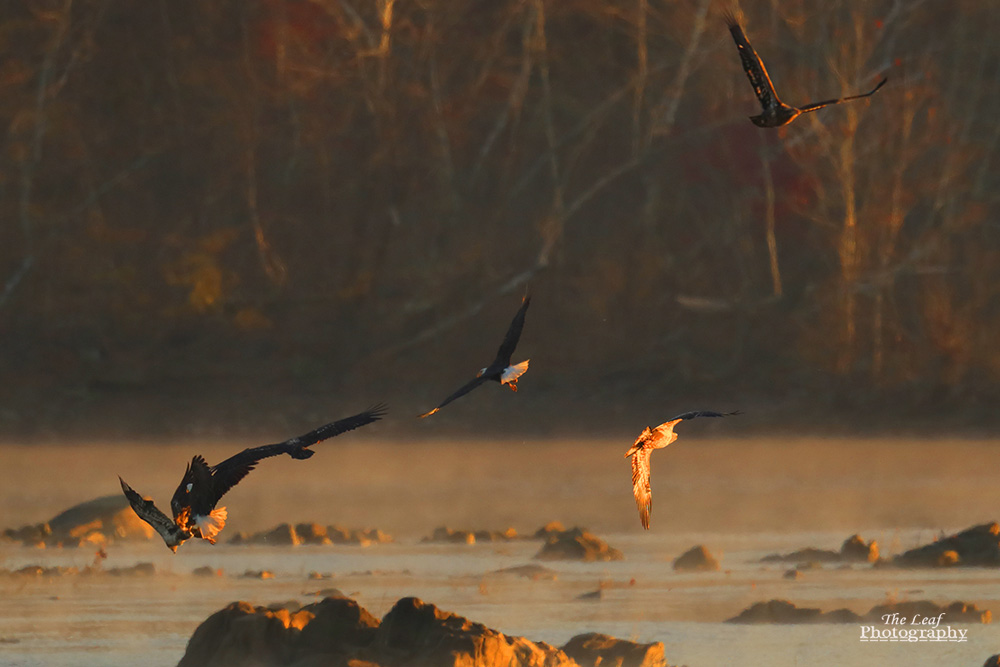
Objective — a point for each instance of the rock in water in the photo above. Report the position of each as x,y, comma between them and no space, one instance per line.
242,634
337,632
978,546
577,544
340,625
422,634
855,548
696,559
783,611
594,649
100,521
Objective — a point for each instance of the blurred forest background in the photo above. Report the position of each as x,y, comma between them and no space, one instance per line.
234,215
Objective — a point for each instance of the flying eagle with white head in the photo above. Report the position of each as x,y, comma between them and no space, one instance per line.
501,370
194,502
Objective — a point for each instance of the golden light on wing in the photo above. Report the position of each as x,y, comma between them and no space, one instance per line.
666,428
640,484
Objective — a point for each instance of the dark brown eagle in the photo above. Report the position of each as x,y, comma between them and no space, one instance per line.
501,369
194,502
642,449
775,112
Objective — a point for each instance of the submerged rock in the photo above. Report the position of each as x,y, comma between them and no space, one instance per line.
978,546
577,544
696,559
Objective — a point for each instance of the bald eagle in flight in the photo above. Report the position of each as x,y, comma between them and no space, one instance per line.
642,449
194,502
501,369
775,112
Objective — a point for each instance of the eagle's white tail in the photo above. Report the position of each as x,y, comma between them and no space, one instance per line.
211,525
511,373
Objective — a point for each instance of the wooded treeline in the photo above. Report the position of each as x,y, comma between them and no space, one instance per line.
248,207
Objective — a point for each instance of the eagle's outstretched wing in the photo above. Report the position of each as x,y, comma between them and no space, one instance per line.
228,473
148,512
666,428
513,335
825,103
461,391
702,413
640,484
753,65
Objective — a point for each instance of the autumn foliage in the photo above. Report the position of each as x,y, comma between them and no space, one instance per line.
259,205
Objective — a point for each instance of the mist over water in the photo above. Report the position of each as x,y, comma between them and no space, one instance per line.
741,498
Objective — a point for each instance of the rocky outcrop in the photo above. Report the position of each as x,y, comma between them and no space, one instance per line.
594,650
551,528
416,633
978,546
783,611
853,550
696,559
446,535
96,522
311,533
242,634
338,632
577,544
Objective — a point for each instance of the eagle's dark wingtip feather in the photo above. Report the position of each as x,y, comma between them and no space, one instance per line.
378,411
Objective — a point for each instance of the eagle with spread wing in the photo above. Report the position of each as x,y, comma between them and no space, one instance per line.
642,449
194,502
775,113
501,370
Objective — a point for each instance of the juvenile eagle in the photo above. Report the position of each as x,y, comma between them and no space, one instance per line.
642,449
194,501
775,112
501,369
